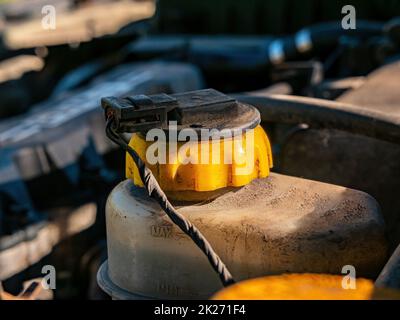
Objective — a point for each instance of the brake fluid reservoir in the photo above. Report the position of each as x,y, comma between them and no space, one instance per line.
258,222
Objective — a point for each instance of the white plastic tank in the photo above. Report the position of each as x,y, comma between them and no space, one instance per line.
273,225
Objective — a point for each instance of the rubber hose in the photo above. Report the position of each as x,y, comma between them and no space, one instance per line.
326,114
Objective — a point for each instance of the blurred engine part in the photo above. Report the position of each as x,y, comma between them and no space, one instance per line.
76,26
13,68
242,63
260,16
15,99
390,275
27,246
32,290
332,89
82,36
13,11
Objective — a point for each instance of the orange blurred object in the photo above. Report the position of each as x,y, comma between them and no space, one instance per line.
304,287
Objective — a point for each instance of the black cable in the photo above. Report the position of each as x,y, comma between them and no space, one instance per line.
154,190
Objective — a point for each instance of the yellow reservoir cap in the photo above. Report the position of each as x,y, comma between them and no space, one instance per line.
211,171
305,287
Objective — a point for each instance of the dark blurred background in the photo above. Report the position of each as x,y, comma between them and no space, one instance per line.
262,17
56,165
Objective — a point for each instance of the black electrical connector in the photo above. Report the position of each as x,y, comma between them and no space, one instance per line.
139,113
142,112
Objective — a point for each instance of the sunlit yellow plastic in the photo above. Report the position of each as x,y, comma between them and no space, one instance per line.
304,287
176,176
